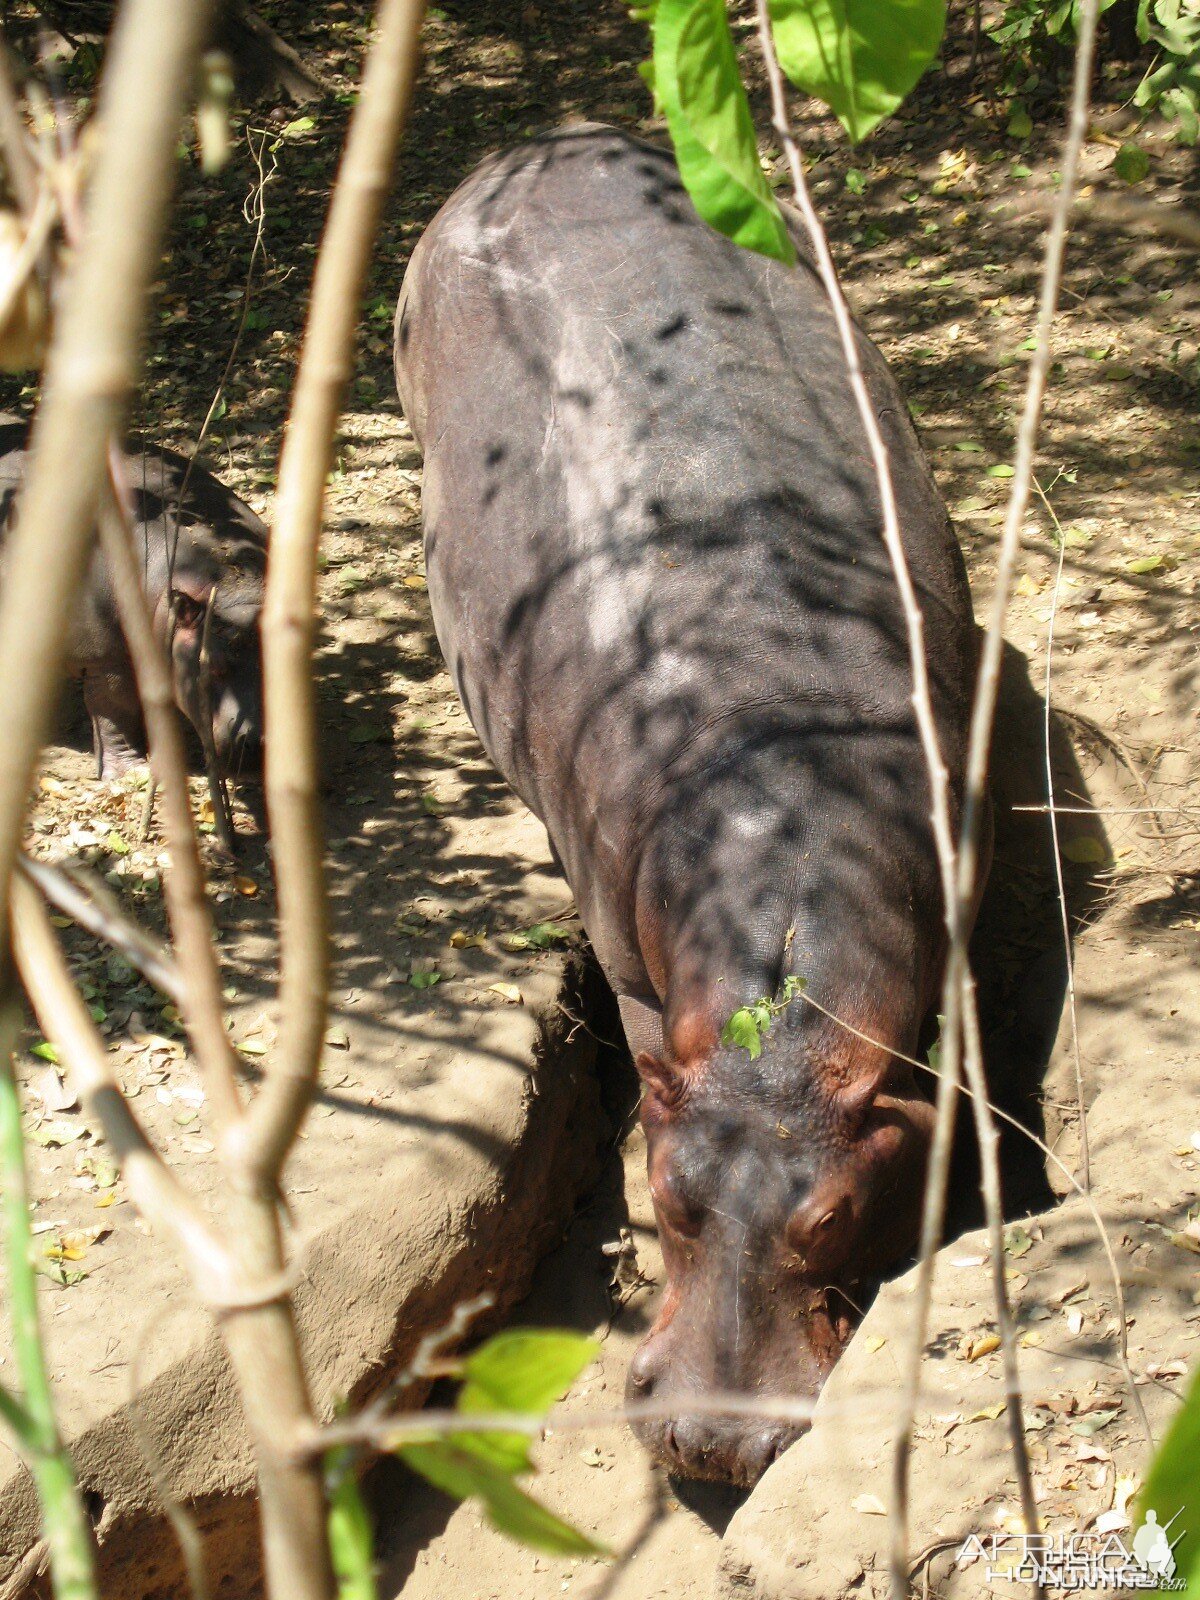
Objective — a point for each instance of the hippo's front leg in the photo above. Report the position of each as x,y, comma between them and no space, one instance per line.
118,734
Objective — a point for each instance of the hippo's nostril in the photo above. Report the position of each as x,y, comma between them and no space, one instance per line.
641,1371
761,1450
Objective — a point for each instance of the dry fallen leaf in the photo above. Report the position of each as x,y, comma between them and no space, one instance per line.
73,1244
868,1505
987,1413
52,1092
508,992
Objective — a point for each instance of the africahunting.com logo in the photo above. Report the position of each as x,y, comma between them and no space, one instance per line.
1075,1561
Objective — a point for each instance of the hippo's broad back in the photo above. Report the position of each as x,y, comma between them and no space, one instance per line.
655,561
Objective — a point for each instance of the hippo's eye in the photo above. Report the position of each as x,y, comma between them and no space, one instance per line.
675,1210
821,1235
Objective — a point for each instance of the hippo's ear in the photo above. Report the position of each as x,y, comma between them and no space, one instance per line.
855,1099
187,609
664,1085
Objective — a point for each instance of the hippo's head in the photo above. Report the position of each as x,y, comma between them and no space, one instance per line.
774,1207
233,587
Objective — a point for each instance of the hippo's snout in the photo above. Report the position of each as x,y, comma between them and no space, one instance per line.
735,1450
237,730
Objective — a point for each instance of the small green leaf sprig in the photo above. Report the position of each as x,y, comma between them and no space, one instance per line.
748,1024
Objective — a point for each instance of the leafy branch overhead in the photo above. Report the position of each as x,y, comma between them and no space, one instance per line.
859,57
698,85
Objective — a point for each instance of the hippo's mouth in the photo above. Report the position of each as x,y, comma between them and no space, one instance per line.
735,1448
716,1451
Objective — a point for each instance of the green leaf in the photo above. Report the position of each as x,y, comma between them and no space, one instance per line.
1172,1487
540,937
1144,564
351,1540
424,980
855,181
742,1029
861,57
1131,163
45,1051
1183,106
1002,469
1020,123
524,1369
1086,850
697,79
457,1472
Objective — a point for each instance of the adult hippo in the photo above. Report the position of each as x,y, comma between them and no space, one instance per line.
207,543
657,574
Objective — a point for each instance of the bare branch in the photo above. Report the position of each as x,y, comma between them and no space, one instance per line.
65,1020
1085,1154
957,992
288,613
975,801
14,139
988,686
91,371
88,900
183,885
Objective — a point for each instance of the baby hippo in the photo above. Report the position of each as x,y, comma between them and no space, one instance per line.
192,544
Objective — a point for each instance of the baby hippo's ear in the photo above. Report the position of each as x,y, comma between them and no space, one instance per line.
188,607
664,1085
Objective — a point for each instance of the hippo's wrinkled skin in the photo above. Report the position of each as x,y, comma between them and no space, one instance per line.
657,574
213,541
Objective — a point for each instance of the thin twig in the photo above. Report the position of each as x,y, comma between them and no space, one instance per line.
262,1345
289,610
183,884
255,211
957,993
37,231
1085,1155
1060,1166
218,793
982,722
